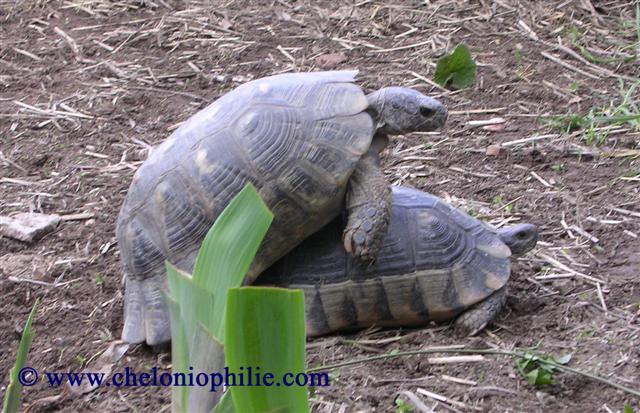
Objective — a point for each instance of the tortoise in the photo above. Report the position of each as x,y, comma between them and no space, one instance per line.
436,263
309,143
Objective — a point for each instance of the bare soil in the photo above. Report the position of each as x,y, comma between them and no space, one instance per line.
88,86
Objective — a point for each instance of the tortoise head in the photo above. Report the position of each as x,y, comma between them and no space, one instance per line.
519,238
400,110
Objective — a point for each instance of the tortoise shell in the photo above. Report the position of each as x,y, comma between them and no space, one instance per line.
436,261
295,137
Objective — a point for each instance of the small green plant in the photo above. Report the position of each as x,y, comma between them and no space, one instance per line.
575,37
627,409
471,211
14,390
597,122
497,200
426,144
634,173
574,86
99,279
457,69
538,370
403,407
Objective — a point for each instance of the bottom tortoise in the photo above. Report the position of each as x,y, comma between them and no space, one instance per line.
436,263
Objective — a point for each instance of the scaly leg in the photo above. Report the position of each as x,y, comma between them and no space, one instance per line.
368,207
476,318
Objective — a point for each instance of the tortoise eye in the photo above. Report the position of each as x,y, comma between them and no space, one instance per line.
426,111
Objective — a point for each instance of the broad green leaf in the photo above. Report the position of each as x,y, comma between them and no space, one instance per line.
229,248
627,408
194,349
14,390
265,329
207,357
539,377
179,353
457,69
197,303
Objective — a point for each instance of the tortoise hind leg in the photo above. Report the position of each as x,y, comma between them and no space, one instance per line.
476,318
368,205
146,317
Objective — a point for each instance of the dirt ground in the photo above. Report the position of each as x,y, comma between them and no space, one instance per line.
88,86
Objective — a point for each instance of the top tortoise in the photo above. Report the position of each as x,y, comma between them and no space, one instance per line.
304,140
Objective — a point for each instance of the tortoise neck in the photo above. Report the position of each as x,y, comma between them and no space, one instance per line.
375,108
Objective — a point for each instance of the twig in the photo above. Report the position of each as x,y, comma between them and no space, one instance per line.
70,41
626,212
429,81
584,233
10,162
28,54
416,402
568,66
560,265
43,283
455,359
459,380
540,179
444,399
286,54
527,140
394,49
476,174
77,217
601,297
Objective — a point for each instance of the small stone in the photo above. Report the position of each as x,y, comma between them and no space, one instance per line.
330,60
28,226
493,150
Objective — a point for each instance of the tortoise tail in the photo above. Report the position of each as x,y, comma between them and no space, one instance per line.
146,317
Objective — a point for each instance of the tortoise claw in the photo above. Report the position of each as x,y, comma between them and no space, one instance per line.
363,239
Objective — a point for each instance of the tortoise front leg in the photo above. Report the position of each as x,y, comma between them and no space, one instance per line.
368,206
476,318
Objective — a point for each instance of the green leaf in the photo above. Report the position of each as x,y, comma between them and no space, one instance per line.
14,390
627,409
539,376
266,330
229,248
195,303
403,406
179,353
457,69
